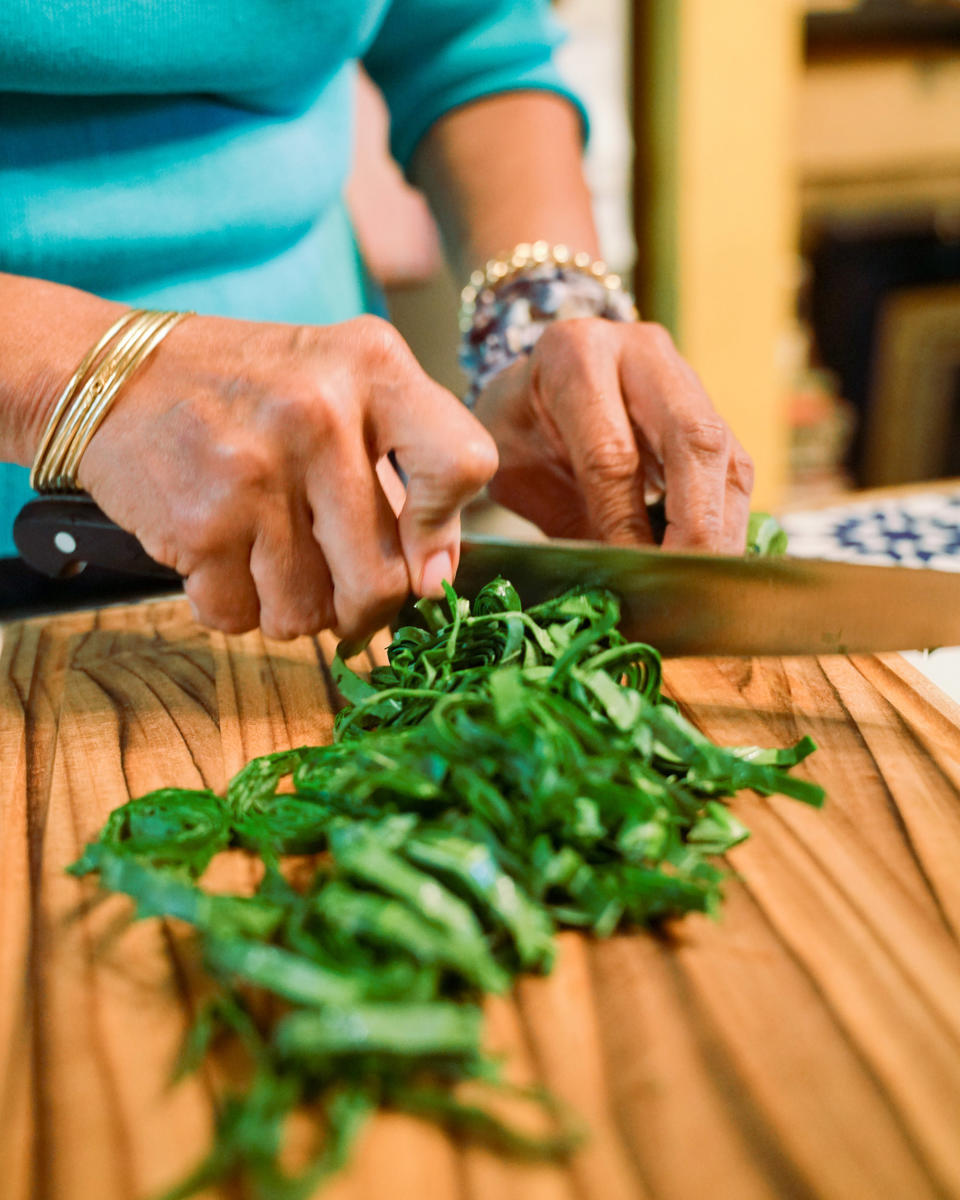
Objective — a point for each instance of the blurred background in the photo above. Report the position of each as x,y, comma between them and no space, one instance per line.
781,182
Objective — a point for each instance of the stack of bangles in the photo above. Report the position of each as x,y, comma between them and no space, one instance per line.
90,394
506,307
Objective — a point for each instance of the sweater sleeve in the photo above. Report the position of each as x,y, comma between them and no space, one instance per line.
430,56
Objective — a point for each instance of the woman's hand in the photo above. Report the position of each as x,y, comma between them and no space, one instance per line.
602,414
245,457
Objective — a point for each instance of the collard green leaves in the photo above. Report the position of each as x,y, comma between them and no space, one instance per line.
508,772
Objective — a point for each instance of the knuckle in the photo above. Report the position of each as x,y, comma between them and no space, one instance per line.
553,338
356,620
741,472
289,626
611,459
476,459
334,418
705,530
291,617
234,622
467,465
215,522
306,408
579,332
200,536
618,521
229,617
379,338
244,462
577,344
292,408
276,630
279,625
704,437
658,337
162,549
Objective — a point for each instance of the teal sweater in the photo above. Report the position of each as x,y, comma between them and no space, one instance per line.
189,154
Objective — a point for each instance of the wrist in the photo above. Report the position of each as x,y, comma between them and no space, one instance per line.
91,391
506,307
45,331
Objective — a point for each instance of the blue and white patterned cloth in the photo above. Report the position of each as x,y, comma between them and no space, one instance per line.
907,531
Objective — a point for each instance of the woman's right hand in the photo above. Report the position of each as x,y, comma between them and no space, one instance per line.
244,455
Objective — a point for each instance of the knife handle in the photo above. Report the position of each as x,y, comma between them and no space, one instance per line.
60,535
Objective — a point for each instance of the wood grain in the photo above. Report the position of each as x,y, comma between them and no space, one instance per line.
805,1045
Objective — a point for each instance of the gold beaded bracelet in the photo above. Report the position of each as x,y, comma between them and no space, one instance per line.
523,257
91,392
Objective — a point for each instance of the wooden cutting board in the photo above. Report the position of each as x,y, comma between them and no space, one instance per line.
807,1045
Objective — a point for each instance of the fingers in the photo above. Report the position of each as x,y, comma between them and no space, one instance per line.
736,512
290,572
356,529
222,594
707,475
545,495
534,478
341,570
576,376
695,456
257,448
617,407
447,457
336,540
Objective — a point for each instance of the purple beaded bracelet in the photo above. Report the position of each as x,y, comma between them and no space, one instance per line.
506,307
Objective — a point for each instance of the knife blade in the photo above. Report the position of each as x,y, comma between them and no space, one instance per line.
684,604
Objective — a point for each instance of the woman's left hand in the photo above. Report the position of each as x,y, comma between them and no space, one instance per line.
603,414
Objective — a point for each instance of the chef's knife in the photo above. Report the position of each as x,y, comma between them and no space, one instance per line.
684,604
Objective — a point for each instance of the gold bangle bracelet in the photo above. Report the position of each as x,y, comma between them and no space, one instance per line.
91,392
66,396
101,402
52,476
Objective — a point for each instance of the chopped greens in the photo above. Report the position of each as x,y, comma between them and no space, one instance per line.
507,773
765,535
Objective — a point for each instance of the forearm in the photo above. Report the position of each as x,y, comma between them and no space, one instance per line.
45,330
504,170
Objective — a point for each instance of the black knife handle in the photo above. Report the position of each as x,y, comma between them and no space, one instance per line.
60,535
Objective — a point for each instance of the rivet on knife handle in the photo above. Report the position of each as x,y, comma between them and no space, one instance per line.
59,535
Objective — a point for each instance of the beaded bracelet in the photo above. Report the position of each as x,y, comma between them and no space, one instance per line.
505,308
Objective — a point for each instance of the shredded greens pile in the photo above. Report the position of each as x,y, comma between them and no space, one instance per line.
509,772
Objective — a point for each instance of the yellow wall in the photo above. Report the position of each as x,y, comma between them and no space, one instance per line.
721,230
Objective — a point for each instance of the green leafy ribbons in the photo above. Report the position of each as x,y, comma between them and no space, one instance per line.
765,535
508,772
170,827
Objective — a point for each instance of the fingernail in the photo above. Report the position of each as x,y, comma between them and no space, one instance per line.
436,569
